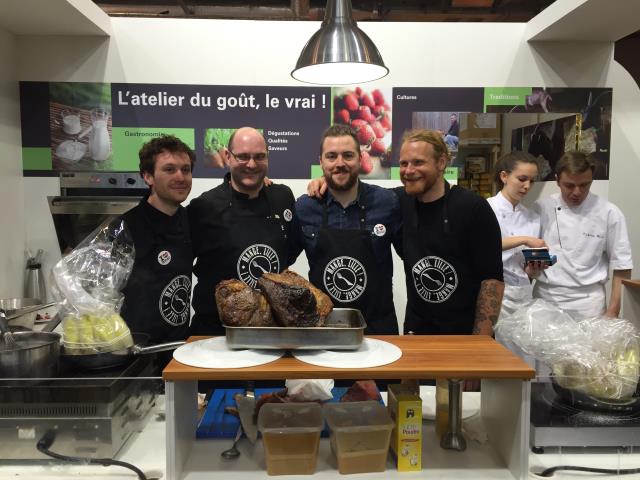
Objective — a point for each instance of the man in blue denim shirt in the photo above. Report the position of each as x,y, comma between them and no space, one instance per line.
347,235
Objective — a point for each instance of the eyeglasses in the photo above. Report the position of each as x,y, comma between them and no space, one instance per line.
245,157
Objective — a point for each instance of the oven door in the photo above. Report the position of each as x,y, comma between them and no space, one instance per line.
74,218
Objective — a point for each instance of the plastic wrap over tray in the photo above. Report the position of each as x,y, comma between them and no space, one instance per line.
343,330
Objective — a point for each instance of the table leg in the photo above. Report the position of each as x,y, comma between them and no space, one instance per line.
182,421
505,408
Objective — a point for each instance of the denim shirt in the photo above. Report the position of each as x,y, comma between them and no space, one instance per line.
382,207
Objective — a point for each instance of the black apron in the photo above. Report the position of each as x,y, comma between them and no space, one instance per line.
441,292
254,244
158,292
344,266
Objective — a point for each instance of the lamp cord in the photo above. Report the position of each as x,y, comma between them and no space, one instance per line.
49,437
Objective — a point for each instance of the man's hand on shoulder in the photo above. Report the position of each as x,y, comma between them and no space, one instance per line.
317,187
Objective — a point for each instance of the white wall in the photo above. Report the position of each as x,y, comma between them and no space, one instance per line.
625,149
218,52
12,260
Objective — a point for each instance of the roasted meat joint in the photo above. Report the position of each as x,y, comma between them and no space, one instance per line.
285,300
240,305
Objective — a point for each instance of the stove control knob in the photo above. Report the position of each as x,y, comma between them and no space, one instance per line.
112,181
131,181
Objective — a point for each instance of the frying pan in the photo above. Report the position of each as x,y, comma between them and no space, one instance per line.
581,400
104,360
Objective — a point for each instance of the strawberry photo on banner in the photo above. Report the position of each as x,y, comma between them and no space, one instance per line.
368,112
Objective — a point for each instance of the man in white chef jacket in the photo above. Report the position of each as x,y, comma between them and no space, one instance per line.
589,236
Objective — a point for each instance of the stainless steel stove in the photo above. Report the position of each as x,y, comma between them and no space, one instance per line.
93,413
554,423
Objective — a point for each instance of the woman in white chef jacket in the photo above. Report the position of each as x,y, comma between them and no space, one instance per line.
519,226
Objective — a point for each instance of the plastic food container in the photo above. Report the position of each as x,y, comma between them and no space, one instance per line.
291,436
360,435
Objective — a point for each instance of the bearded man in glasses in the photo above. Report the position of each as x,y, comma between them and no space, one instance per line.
240,229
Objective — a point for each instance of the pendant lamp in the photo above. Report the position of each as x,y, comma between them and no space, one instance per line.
339,53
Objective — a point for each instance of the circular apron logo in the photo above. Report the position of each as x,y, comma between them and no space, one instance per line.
164,257
256,260
175,301
434,279
287,215
345,279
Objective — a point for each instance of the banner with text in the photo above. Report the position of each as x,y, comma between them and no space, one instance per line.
70,126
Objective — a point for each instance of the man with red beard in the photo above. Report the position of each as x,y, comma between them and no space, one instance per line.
451,245
158,292
347,234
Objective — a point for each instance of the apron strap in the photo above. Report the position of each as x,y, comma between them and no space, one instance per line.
445,208
184,222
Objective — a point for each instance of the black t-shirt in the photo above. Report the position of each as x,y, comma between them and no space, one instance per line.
469,241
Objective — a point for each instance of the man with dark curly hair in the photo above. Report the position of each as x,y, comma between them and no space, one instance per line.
158,291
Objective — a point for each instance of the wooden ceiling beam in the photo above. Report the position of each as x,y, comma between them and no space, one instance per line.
185,7
301,10
472,3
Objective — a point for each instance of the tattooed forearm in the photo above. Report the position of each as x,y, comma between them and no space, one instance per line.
488,306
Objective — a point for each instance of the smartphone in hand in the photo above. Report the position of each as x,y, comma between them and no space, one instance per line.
538,255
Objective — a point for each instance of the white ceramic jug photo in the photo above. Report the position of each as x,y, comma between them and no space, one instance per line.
99,141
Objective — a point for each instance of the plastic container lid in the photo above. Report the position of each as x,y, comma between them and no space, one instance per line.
290,418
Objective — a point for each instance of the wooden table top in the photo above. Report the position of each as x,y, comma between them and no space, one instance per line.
423,357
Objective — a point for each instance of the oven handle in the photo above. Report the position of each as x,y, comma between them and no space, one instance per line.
92,205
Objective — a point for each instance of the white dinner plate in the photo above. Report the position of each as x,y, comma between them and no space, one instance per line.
214,353
372,353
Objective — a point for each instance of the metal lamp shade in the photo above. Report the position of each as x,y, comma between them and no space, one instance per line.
339,53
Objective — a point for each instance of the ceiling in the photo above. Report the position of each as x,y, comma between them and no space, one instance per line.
368,10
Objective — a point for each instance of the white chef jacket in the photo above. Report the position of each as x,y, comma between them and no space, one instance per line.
514,222
588,240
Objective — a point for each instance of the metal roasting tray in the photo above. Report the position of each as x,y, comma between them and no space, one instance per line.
343,330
